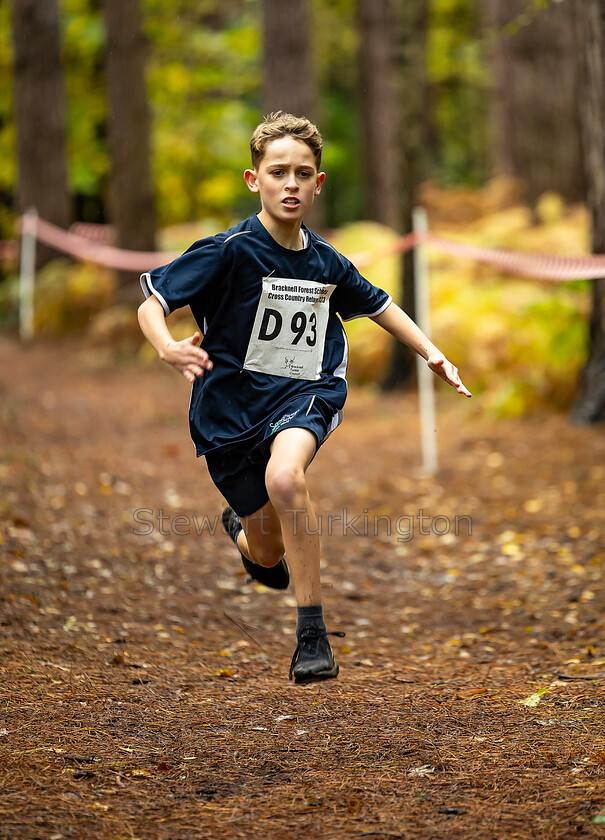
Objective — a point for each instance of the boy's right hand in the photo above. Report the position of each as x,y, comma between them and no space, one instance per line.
446,370
187,357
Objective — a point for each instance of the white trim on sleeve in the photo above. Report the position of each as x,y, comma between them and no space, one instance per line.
148,290
388,302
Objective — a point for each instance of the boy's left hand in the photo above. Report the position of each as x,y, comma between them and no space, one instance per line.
446,370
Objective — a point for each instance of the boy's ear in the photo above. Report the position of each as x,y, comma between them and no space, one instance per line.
250,179
321,177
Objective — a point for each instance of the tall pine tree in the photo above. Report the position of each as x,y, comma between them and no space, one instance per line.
131,190
536,96
590,28
378,106
288,83
411,26
40,112
288,78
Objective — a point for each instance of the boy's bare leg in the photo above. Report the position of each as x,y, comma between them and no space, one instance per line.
261,540
287,523
291,453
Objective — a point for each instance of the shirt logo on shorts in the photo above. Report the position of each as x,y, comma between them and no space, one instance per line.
284,419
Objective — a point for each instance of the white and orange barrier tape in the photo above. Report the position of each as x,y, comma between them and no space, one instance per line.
93,247
94,231
538,266
88,250
88,246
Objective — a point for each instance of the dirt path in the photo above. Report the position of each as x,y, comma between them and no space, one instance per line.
132,705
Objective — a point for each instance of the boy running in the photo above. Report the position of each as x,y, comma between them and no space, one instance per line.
269,376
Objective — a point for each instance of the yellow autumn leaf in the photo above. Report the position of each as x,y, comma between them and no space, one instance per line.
533,505
511,549
533,699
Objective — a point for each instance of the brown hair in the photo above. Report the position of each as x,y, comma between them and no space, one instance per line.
282,124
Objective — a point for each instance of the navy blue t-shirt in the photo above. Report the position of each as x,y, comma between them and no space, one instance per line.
269,317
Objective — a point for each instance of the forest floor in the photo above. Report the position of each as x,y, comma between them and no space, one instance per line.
144,680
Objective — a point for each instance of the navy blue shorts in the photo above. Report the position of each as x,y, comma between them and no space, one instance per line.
239,471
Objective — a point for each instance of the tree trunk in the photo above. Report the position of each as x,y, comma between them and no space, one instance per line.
288,66
411,25
131,190
377,89
288,77
40,110
590,27
536,98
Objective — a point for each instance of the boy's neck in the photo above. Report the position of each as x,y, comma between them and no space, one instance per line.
288,236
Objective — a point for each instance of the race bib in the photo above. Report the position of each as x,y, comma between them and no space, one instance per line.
289,332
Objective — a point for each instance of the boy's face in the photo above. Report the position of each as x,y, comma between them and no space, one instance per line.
286,179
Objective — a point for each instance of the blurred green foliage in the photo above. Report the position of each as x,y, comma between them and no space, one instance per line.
204,79
460,84
68,294
335,44
519,344
203,76
83,55
8,166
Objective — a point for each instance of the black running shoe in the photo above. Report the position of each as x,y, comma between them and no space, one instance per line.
275,577
313,658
